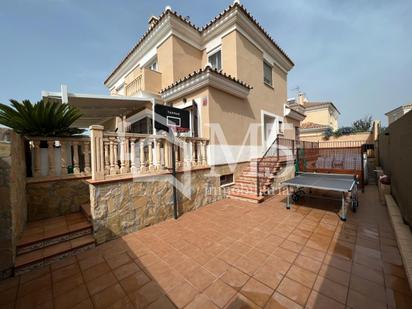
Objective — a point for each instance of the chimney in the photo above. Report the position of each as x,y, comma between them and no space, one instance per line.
152,21
301,98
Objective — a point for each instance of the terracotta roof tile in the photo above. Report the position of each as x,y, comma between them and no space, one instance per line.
206,69
312,125
200,30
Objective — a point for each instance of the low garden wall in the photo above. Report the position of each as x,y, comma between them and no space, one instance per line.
52,198
12,198
123,206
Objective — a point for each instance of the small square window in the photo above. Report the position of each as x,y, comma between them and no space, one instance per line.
153,65
267,73
281,126
216,60
226,179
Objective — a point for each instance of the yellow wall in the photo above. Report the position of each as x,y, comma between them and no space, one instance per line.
321,116
366,137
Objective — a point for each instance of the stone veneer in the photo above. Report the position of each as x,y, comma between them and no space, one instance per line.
123,206
13,200
52,198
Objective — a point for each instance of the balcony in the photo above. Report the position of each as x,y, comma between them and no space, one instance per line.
143,80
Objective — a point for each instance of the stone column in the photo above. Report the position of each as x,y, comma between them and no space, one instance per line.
63,158
111,156
50,159
193,147
122,155
157,141
86,157
106,158
37,159
76,168
150,147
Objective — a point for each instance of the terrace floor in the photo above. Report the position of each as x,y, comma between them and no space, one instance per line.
233,254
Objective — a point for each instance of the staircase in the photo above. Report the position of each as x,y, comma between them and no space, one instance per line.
257,180
46,241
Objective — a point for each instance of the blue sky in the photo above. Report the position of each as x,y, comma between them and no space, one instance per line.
356,53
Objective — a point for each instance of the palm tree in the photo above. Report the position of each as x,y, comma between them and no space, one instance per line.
40,119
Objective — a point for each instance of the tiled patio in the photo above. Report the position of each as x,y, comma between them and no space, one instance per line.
233,254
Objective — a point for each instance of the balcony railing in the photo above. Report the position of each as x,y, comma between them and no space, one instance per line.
143,80
60,157
130,154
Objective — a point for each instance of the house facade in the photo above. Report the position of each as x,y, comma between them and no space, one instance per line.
319,116
230,74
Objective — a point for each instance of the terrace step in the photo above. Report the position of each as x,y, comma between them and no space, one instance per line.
248,197
85,209
49,240
44,256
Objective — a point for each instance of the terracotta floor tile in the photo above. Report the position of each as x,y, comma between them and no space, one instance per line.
270,275
294,290
398,284
125,270
9,283
229,256
34,299
359,301
256,292
239,301
90,261
338,262
285,254
8,297
34,274
201,278
71,298
308,263
335,274
278,264
161,303
134,282
109,296
56,249
146,295
301,275
29,258
319,301
216,266
313,253
397,299
331,289
43,282
100,283
65,272
368,273
394,270
63,263
246,265
118,259
183,294
96,271
67,284
292,246
278,301
220,293
235,278
85,304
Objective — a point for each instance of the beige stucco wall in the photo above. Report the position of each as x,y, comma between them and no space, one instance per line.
290,128
177,59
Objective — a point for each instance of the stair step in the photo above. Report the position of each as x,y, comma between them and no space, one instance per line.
45,256
253,198
49,232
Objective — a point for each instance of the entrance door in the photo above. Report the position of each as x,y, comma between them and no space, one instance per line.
269,130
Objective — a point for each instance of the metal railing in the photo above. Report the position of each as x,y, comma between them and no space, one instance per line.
280,148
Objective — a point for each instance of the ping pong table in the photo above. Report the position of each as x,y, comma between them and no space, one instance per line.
341,183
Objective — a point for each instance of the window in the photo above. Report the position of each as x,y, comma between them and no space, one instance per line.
267,73
216,60
153,65
281,126
226,179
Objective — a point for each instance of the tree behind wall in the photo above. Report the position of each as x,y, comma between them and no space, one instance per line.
46,119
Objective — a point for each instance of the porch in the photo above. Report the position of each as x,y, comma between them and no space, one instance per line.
232,254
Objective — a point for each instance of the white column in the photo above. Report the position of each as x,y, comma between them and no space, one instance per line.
76,168
122,155
133,168
96,142
142,159
193,147
157,142
111,156
150,149
106,158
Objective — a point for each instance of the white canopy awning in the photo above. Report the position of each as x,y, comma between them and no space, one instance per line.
97,108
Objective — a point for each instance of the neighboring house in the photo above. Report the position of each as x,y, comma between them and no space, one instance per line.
230,74
319,116
398,112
